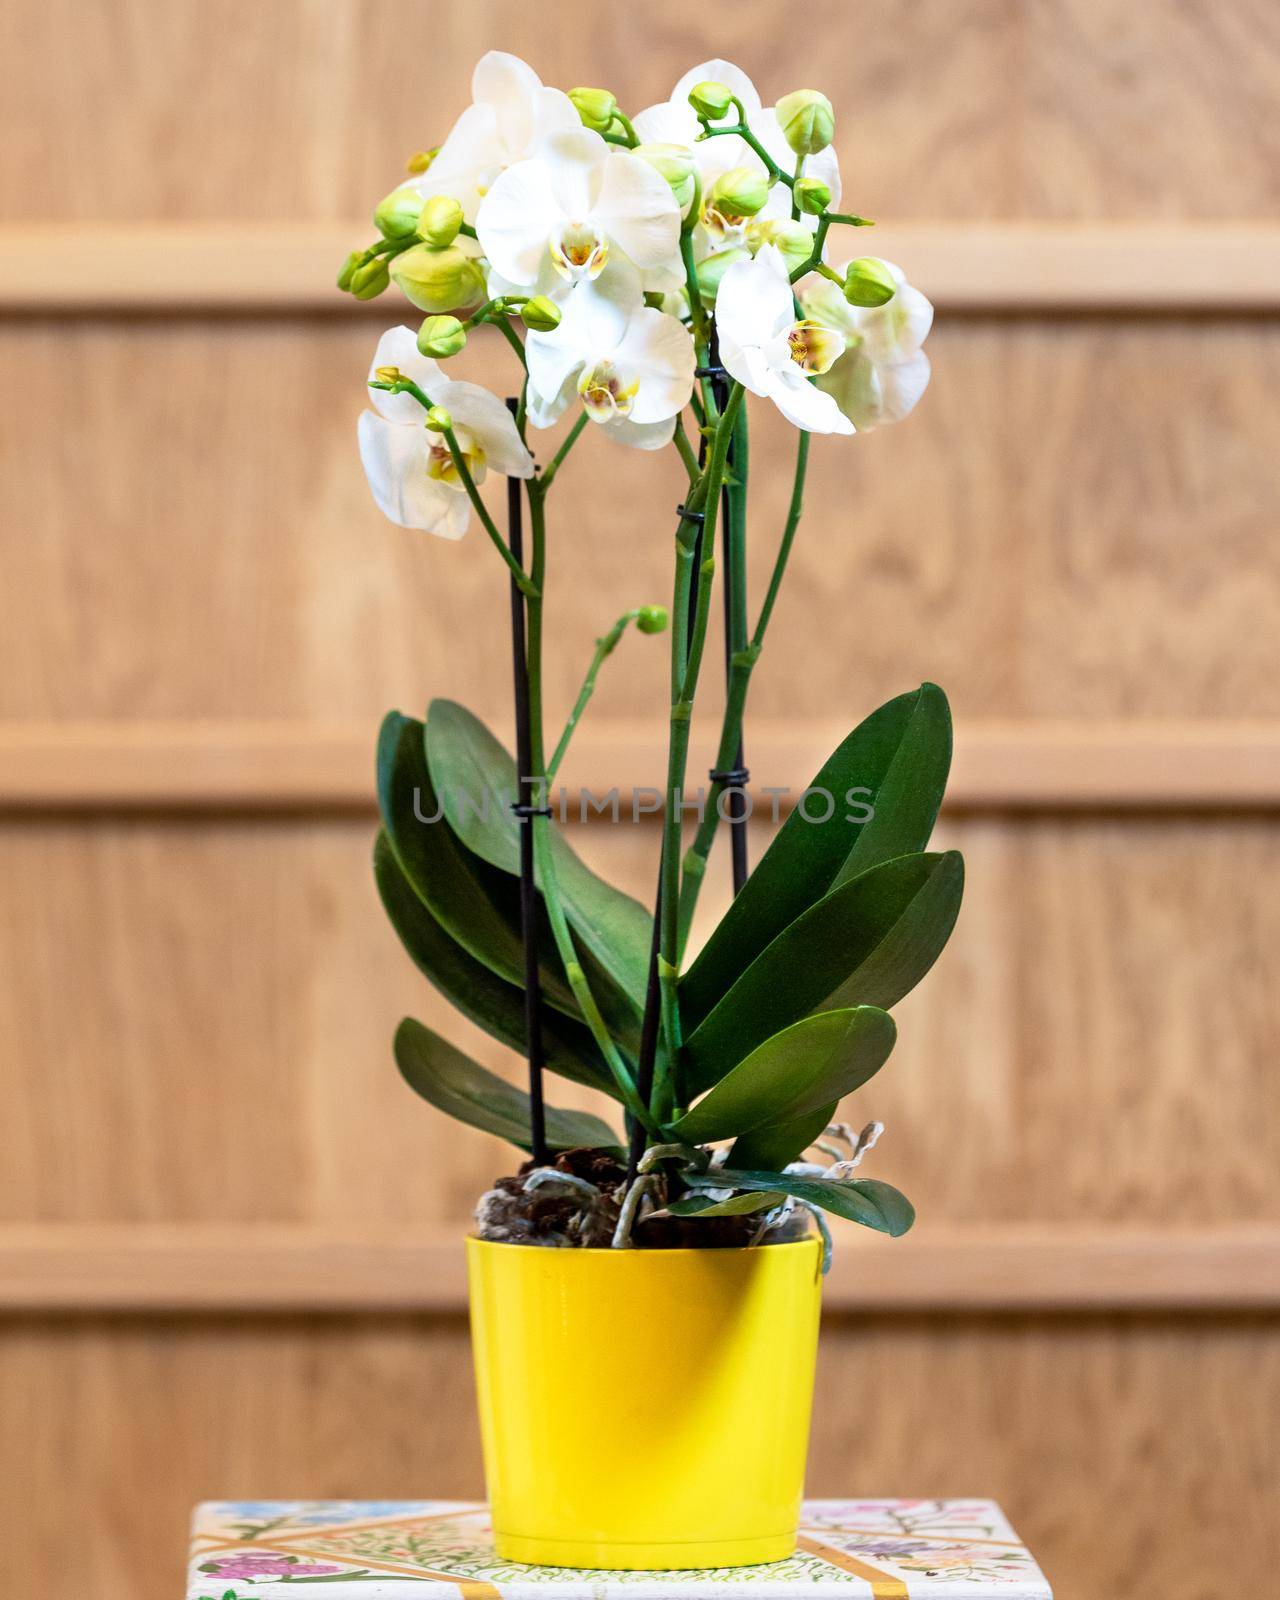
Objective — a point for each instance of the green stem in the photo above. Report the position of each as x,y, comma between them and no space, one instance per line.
558,459
604,648
633,138
543,859
685,668
681,440
741,666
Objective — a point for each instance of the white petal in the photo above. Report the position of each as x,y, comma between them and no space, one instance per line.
638,211
515,221
734,79
553,113
395,463
398,347
546,403
658,350
641,435
823,301
871,396
467,158
753,302
670,123
503,79
575,165
490,422
894,331
800,402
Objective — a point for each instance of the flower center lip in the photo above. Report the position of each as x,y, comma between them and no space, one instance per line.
441,466
813,348
579,251
604,392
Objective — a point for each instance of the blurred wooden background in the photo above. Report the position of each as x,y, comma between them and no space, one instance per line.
228,1258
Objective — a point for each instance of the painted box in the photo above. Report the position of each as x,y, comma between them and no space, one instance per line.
402,1549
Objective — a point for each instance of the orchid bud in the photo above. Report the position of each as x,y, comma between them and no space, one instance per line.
711,271
652,619
397,215
369,280
420,160
439,420
441,218
711,100
674,163
869,282
388,375
441,337
807,120
437,281
596,107
740,192
792,240
349,268
541,314
812,195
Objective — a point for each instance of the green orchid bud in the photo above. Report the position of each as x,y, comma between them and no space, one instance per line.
441,337
674,163
807,120
349,269
397,215
440,220
388,375
652,619
792,240
437,281
812,195
740,192
420,160
869,282
541,314
596,107
369,280
439,420
711,271
711,100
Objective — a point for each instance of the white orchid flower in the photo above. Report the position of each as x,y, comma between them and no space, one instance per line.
768,351
632,368
578,207
674,121
511,115
884,371
410,468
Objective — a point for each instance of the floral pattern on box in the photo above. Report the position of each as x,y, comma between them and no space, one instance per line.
394,1549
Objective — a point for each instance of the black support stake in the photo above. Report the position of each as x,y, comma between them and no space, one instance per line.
527,809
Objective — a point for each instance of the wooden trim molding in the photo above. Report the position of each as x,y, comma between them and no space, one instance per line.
972,267
66,1268
296,766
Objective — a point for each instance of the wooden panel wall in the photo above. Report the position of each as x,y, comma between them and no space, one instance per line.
202,618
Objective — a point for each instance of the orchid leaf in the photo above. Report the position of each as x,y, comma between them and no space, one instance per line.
771,1147
792,1075
893,766
476,780
867,943
864,1200
477,992
462,1088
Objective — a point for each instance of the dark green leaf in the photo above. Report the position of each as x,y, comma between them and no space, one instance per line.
865,1200
737,1205
866,943
770,1148
455,1084
476,780
796,1072
476,991
476,903
898,758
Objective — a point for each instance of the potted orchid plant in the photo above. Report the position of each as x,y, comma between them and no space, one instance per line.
655,275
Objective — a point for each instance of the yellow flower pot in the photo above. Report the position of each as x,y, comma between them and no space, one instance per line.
644,1408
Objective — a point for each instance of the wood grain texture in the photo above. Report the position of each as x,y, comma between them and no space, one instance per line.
197,1022
290,766
1134,1454
201,1268
1077,524
1074,109
286,269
